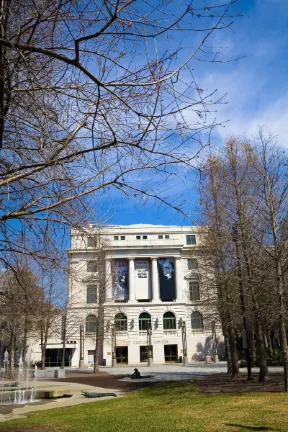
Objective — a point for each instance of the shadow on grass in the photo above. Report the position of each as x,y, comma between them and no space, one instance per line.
253,428
173,387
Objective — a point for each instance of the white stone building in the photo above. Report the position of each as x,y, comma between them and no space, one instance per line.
154,281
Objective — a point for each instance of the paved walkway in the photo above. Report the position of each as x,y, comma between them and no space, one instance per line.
172,372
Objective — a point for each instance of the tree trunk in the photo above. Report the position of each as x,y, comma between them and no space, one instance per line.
269,341
25,333
245,332
43,357
12,357
253,348
283,334
228,352
284,354
96,357
261,353
234,354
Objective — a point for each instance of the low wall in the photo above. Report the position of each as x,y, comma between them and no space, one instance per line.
50,373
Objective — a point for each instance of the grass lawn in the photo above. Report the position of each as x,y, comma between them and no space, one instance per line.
165,407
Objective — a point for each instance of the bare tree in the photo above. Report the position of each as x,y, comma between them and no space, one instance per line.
47,311
250,181
273,210
18,298
217,248
93,97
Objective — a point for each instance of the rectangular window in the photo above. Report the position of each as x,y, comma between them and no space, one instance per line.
91,242
138,237
166,236
190,239
160,237
145,237
194,290
122,237
116,237
91,266
91,294
192,264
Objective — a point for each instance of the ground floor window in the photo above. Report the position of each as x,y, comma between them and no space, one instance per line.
53,357
144,351
121,354
171,353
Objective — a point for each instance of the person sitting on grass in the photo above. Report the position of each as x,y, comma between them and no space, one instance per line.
136,374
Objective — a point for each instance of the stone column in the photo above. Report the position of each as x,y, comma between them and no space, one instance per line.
131,280
108,279
155,281
178,279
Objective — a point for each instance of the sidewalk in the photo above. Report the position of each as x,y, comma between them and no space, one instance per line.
173,370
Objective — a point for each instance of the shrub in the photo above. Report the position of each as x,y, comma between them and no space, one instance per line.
274,358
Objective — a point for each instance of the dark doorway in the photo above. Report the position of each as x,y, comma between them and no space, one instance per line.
171,353
122,354
53,357
144,353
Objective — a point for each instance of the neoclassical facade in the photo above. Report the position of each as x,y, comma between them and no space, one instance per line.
154,302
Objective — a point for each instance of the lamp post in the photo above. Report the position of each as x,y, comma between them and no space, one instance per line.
214,342
184,341
149,343
81,360
113,341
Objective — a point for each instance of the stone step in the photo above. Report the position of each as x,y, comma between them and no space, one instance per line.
52,394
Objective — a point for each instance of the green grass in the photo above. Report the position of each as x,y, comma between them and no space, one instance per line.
165,407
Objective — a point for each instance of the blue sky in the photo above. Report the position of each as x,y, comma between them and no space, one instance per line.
257,95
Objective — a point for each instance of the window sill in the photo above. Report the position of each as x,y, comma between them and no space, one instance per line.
170,332
197,331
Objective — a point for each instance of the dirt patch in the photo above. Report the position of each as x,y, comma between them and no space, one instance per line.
103,380
222,383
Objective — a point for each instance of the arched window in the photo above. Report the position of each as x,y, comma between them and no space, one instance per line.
196,321
91,323
169,321
120,322
144,321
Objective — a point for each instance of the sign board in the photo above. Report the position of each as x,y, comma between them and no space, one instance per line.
142,279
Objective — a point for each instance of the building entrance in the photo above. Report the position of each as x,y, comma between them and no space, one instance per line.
144,350
171,353
122,354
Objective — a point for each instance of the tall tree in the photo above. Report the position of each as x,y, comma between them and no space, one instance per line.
92,95
273,210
